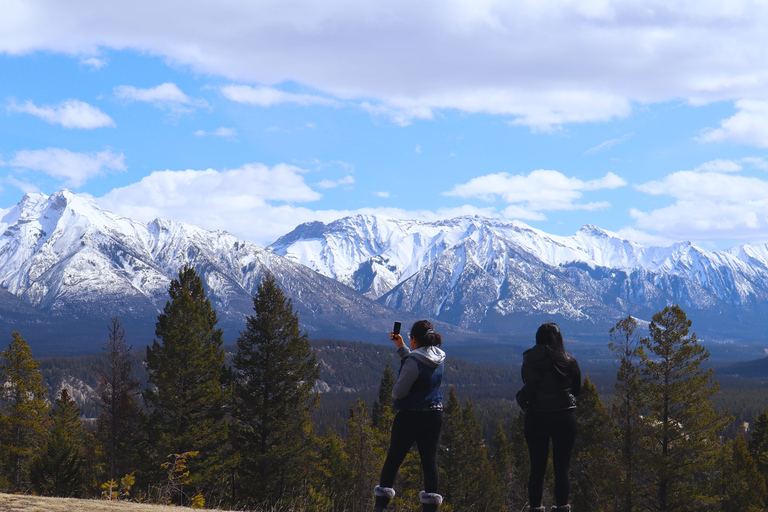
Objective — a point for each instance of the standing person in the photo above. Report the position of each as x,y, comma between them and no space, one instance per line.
555,376
418,414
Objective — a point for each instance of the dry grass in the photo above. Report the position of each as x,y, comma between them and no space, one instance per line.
25,503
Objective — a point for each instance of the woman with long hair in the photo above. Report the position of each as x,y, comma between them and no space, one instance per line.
419,414
555,377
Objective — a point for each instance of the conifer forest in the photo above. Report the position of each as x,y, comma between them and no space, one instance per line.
249,431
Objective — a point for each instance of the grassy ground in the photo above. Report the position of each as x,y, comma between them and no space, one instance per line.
24,503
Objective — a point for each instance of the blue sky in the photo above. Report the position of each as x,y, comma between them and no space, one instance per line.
648,119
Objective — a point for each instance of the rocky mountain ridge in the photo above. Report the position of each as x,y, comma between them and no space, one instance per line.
67,266
491,274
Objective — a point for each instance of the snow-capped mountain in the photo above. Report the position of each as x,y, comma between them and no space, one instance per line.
66,266
488,273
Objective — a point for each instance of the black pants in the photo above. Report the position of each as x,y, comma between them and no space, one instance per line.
540,427
422,428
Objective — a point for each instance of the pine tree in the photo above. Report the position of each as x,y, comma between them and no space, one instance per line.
594,464
381,413
741,486
334,471
186,372
521,462
680,428
363,462
117,397
382,416
58,470
626,407
276,371
468,480
758,439
758,446
508,480
23,401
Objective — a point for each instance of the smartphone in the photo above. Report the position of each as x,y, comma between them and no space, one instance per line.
396,328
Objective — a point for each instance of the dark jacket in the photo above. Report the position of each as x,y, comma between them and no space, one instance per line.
419,379
555,390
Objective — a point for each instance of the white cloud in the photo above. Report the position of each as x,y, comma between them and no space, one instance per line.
74,168
256,202
269,97
596,60
382,194
246,201
346,181
401,116
165,96
541,190
707,206
70,114
94,62
748,126
24,186
719,165
228,133
608,144
641,237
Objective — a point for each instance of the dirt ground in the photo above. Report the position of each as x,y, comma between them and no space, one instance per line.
23,503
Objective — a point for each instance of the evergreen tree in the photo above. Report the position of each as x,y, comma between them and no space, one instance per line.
276,371
466,473
23,401
594,464
58,470
334,471
117,397
758,446
626,408
680,428
508,480
363,461
758,439
381,414
742,487
521,463
186,372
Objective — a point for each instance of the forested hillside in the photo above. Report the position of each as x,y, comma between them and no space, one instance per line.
278,421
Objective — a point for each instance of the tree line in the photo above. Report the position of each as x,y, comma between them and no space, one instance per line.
204,433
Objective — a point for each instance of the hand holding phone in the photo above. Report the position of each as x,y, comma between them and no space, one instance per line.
395,337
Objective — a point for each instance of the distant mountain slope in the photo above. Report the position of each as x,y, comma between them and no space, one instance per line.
491,274
66,266
757,368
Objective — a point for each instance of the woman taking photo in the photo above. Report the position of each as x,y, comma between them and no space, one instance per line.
554,379
418,414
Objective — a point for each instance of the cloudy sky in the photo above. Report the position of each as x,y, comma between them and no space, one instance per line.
646,118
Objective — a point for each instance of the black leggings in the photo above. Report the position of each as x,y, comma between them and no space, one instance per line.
423,428
540,427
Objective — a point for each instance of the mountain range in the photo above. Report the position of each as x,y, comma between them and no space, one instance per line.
494,276
67,266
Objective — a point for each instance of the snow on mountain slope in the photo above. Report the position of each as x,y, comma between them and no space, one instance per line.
478,267
64,256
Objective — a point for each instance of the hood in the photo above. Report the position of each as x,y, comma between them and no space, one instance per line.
537,357
430,356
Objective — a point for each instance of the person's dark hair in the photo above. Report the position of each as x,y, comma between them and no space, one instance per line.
425,334
549,334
